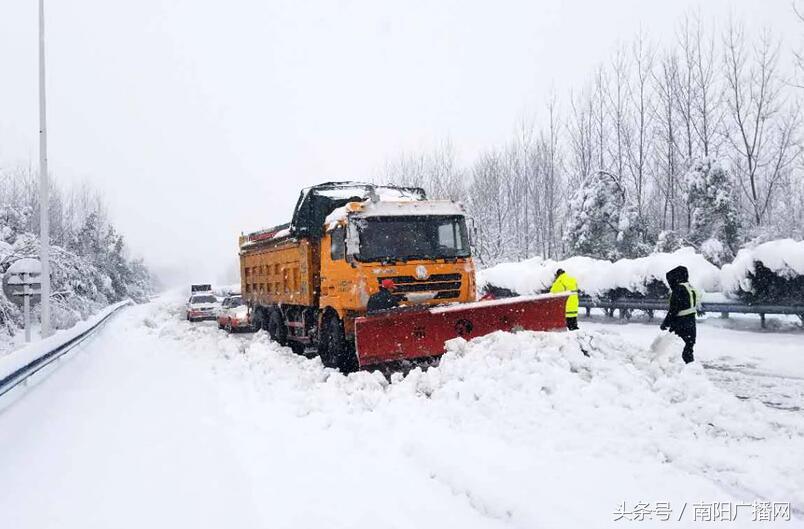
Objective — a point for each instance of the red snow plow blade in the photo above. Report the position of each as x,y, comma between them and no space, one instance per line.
417,333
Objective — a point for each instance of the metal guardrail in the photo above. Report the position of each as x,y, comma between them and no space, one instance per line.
625,305
22,374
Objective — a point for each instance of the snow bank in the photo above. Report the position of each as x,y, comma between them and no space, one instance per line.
503,419
784,257
598,277
23,356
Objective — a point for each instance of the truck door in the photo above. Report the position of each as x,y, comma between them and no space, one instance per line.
337,275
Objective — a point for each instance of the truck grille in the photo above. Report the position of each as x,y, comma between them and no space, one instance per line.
446,286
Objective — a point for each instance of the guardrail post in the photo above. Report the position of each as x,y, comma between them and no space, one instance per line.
589,311
762,319
724,315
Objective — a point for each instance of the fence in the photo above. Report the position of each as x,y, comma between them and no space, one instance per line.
626,305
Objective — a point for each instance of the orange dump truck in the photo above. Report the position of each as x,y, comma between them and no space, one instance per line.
308,282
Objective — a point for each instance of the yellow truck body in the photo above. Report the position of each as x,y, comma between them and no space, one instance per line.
298,281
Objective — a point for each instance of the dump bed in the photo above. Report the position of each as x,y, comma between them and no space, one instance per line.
279,270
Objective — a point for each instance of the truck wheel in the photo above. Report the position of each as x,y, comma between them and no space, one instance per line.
326,347
259,320
336,350
276,328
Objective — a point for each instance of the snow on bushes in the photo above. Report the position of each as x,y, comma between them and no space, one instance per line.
641,277
772,272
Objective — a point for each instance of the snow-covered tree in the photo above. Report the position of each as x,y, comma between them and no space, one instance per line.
601,221
89,265
715,220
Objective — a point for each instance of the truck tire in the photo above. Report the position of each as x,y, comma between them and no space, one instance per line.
335,350
276,327
258,320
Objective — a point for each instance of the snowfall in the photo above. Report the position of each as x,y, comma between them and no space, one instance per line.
159,423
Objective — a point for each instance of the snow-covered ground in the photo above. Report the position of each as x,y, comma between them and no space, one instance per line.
160,423
738,355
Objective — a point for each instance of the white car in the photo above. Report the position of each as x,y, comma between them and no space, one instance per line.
202,307
233,315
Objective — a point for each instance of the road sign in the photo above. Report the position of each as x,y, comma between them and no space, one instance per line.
22,285
23,279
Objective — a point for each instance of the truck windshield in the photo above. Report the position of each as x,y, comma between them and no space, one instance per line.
404,238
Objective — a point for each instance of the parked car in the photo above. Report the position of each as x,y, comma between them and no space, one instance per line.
202,307
233,315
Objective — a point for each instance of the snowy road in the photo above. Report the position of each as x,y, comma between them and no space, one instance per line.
158,423
751,363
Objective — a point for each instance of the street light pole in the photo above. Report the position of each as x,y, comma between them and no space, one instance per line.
44,191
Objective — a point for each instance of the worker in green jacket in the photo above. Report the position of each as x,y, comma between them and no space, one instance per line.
566,283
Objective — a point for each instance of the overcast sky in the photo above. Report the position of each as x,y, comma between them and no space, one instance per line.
201,119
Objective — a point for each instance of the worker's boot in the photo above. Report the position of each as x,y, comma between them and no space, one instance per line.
687,355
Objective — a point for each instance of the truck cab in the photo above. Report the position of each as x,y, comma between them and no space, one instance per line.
306,282
422,246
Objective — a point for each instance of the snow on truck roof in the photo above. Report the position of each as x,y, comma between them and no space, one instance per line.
394,208
362,190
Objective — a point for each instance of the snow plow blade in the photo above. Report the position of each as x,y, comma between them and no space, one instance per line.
407,334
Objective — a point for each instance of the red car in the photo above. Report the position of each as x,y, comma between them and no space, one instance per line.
233,315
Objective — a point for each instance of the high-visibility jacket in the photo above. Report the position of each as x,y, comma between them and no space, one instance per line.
685,301
567,283
693,299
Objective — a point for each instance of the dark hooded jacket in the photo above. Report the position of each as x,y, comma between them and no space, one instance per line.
683,302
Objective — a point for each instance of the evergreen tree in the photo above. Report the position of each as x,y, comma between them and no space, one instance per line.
602,222
715,219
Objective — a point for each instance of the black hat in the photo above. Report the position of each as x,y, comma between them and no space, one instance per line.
677,275
559,272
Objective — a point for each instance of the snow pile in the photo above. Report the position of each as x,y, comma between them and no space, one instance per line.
230,420
509,417
601,278
337,215
784,258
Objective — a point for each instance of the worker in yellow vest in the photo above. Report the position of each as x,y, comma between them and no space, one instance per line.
566,283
